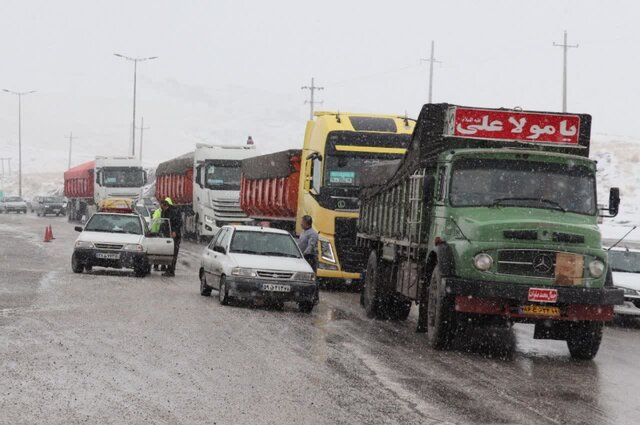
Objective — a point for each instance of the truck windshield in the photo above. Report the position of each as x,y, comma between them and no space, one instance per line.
122,177
264,243
222,175
350,154
501,183
624,261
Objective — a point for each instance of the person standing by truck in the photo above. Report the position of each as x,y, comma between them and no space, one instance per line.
308,242
170,212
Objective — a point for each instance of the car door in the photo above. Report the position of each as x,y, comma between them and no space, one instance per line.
158,243
207,257
220,256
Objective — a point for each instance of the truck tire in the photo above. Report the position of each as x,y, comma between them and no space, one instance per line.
584,339
205,290
400,308
440,313
375,299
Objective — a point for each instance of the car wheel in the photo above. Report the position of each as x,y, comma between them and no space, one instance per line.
205,290
140,269
305,307
88,267
57,214
38,213
223,292
76,265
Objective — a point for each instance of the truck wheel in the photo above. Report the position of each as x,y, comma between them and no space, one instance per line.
205,290
373,295
401,309
76,265
584,339
440,313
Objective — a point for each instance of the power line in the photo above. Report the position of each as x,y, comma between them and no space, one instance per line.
312,88
564,46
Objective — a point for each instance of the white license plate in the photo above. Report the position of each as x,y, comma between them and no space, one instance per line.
275,288
56,211
107,256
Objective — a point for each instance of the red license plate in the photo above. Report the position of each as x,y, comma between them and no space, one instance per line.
543,295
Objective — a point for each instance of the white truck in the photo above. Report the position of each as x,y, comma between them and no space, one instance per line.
105,177
205,186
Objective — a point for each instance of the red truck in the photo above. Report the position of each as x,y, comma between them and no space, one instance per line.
269,188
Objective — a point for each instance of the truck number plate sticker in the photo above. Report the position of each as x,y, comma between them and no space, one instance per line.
107,256
342,177
275,288
543,295
512,125
540,310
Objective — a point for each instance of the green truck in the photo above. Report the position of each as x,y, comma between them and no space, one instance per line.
491,218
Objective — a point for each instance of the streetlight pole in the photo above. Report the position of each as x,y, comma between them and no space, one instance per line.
19,94
135,76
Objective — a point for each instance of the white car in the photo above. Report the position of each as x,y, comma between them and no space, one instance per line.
624,260
250,262
119,240
13,203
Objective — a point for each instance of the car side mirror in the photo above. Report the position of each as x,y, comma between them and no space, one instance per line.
614,201
78,228
220,249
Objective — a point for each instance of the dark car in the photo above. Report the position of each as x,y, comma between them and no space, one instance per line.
50,205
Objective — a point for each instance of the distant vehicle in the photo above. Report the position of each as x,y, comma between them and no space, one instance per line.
13,204
144,212
624,260
205,186
151,204
87,184
49,205
249,262
118,241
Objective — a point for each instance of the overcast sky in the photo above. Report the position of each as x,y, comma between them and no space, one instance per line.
227,69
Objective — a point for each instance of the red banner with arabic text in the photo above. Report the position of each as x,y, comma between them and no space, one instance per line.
533,127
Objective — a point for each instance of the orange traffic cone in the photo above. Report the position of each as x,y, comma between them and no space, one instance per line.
51,232
47,235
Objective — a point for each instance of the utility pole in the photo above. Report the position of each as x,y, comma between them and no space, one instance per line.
19,94
70,144
135,78
142,128
2,160
312,88
564,46
431,61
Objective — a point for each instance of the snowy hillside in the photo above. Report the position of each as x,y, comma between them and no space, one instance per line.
617,157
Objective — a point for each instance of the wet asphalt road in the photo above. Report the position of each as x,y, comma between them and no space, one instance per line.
106,347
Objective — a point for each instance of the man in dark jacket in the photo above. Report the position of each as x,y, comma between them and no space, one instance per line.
175,218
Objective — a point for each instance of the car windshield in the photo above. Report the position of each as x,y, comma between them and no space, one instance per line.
500,183
13,199
624,261
264,243
114,223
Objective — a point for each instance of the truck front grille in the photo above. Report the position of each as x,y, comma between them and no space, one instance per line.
352,259
527,262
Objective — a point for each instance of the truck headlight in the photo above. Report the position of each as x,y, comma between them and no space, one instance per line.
326,251
244,272
209,220
305,276
596,268
84,244
133,247
483,262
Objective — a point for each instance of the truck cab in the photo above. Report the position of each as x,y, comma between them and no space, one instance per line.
118,177
338,153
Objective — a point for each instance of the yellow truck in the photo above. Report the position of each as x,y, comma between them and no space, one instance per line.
343,152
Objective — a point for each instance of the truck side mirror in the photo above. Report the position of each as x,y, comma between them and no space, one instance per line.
614,201
428,188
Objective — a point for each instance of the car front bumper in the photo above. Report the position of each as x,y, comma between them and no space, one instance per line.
126,260
252,289
630,307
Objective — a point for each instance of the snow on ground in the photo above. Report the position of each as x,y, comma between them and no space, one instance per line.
618,158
